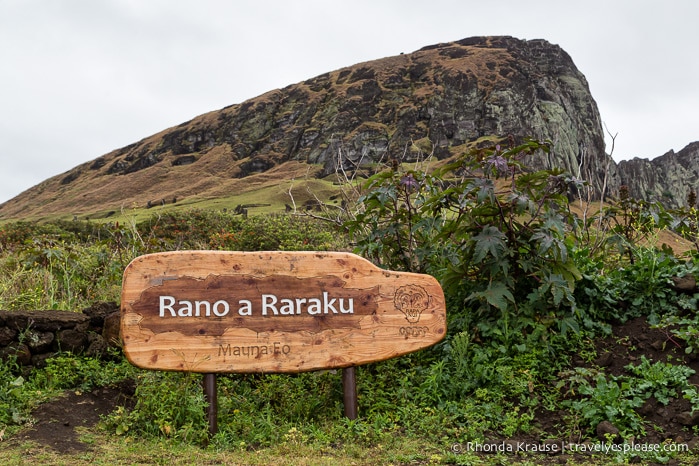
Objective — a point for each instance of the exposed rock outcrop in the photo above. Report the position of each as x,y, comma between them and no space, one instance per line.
442,99
667,179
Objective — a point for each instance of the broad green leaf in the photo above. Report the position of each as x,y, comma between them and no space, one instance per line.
496,295
489,240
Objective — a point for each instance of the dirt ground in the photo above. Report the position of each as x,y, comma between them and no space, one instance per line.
633,340
627,344
56,421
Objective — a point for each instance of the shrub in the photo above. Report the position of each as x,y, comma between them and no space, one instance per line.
278,233
493,233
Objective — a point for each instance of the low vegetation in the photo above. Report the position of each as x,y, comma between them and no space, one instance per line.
530,287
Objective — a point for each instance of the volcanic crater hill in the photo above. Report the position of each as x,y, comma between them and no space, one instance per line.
442,100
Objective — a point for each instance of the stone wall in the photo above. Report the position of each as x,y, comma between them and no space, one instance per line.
34,336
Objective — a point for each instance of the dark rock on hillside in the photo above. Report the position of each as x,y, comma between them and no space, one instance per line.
667,179
442,100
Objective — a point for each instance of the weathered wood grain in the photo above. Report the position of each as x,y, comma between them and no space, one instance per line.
222,311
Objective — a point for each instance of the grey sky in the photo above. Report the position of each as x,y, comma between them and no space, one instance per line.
79,78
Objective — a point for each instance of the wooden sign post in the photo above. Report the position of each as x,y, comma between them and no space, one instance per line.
222,312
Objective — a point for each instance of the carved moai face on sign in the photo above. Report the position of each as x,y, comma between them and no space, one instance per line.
411,300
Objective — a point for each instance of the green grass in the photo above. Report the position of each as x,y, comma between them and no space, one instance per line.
262,201
106,449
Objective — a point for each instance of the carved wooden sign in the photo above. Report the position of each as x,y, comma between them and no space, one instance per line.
222,311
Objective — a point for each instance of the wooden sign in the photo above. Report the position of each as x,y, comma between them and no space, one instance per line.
222,311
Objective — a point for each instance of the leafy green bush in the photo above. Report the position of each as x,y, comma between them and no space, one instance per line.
686,220
620,290
660,380
278,233
12,394
68,371
13,235
685,327
169,404
604,399
189,229
593,396
629,222
493,233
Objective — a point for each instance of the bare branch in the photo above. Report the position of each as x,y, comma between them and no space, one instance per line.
606,174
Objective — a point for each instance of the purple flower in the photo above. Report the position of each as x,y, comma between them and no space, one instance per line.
499,163
409,182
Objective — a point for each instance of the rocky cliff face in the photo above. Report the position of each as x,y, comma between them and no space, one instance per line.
441,99
666,179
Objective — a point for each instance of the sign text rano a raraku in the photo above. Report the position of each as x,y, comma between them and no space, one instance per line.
268,305
226,311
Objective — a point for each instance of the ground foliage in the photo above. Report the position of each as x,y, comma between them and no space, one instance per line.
531,289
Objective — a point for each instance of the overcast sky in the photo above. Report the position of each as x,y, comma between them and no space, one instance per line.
79,78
